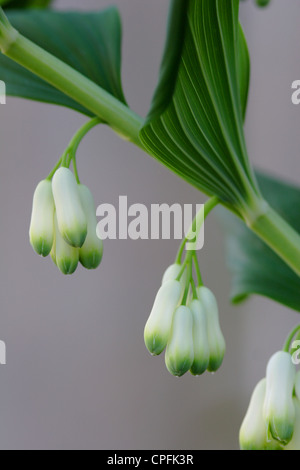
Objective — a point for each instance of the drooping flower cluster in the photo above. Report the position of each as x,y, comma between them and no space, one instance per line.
272,421
63,223
188,328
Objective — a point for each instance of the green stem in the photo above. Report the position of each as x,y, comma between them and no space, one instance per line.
197,268
57,166
195,295
189,278
76,86
70,152
197,222
81,133
287,344
280,236
75,142
76,170
183,267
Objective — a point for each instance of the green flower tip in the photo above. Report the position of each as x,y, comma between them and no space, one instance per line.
91,252
72,221
65,256
159,324
179,355
279,410
200,339
216,341
41,231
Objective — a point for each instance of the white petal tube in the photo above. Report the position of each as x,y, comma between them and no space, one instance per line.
215,337
66,256
279,409
253,432
71,218
90,254
172,272
41,232
180,348
159,324
200,339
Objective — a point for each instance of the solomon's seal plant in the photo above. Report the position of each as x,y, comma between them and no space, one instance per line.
195,127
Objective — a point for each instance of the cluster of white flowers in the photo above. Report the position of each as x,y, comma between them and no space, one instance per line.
272,421
63,223
190,332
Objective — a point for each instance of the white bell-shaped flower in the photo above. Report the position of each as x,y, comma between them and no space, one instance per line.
159,324
41,232
200,338
279,409
180,348
215,337
72,222
253,432
171,274
90,254
66,257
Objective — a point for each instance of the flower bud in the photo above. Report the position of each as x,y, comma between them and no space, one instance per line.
159,324
173,272
71,218
214,334
279,410
90,254
41,232
66,256
200,340
294,443
253,432
180,349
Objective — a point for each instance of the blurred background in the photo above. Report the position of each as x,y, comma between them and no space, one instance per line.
78,375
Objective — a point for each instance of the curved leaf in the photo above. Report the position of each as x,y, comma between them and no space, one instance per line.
195,127
255,268
88,42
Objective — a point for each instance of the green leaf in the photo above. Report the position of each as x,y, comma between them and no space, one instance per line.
243,70
195,124
88,42
255,268
25,3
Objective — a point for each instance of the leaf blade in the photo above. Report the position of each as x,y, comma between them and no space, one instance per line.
88,42
255,268
197,130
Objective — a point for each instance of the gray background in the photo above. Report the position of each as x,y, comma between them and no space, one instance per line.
78,373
